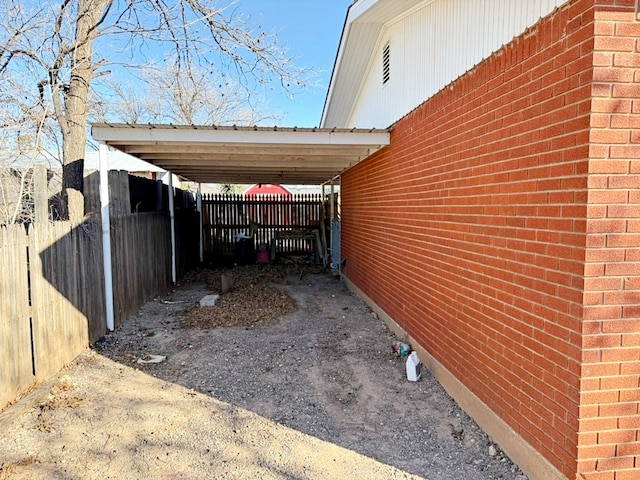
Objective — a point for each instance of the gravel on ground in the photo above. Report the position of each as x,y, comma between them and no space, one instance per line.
288,376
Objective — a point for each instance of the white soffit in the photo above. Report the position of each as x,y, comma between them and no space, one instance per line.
245,155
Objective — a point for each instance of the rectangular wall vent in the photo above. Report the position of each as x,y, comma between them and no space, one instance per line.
386,66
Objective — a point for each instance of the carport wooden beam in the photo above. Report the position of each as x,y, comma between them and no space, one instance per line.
264,149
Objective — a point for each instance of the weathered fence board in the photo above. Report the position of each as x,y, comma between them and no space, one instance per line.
131,194
57,280
141,252
15,330
119,193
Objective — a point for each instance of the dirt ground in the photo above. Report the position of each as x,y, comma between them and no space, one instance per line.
289,376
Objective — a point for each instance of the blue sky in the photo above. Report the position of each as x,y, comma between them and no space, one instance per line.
311,31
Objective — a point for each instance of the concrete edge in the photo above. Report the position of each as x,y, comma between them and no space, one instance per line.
530,461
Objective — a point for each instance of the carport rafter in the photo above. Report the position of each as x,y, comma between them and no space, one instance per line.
258,149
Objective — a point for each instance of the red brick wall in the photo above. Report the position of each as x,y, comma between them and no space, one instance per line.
609,429
480,230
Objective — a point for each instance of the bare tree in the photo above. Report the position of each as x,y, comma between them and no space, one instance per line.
57,50
28,184
15,195
24,130
192,95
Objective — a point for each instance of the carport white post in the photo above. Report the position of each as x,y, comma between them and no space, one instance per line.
332,211
332,214
199,207
106,236
172,216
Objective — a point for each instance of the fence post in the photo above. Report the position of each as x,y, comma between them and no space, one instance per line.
199,208
172,218
120,198
40,194
159,196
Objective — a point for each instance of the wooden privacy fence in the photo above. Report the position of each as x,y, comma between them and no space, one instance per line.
141,256
131,194
52,301
224,216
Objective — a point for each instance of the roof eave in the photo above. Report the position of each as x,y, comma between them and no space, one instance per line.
364,24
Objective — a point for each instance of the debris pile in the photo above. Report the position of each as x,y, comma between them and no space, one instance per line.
255,300
401,348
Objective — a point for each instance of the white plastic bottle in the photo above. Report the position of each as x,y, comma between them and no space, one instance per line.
414,367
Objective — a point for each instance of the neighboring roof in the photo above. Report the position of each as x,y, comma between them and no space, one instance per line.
266,189
245,155
15,159
361,32
117,160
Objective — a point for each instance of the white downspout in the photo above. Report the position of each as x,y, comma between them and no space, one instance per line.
172,217
106,237
199,206
332,206
332,215
338,260
322,210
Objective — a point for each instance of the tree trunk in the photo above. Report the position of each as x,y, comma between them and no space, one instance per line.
76,95
73,174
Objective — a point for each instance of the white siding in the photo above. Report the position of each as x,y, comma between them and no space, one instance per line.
433,46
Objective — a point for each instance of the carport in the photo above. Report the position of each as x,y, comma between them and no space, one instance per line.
231,154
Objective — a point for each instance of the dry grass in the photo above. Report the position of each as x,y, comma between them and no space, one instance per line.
7,469
59,398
